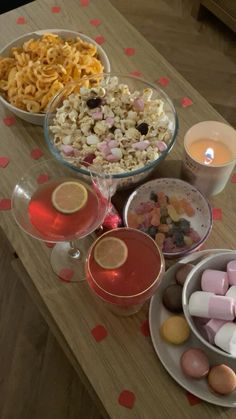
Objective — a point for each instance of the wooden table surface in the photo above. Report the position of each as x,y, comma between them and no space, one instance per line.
125,359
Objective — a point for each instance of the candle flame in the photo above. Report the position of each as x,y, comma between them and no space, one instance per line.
209,155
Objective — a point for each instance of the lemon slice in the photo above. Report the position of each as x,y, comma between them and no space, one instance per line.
69,197
110,253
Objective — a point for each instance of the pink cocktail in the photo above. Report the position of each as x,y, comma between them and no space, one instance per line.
127,287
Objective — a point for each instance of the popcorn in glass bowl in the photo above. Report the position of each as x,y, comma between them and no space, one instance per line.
123,124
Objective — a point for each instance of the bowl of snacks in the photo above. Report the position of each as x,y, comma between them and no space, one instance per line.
173,212
35,66
123,124
209,302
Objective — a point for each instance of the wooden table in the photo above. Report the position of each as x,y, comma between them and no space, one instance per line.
125,359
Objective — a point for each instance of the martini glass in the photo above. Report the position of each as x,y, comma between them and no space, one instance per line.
36,214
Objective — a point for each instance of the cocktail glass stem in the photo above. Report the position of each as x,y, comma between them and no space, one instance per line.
74,252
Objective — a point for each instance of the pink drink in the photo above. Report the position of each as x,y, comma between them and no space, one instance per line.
56,226
137,279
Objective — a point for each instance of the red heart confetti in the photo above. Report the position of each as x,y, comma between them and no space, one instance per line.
217,213
42,178
99,333
5,204
50,245
20,20
55,9
100,39
4,161
145,328
66,274
36,153
163,81
95,22
233,178
193,400
9,120
84,3
185,102
129,51
136,73
126,399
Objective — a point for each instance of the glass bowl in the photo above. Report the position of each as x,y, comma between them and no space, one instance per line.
173,212
123,104
33,117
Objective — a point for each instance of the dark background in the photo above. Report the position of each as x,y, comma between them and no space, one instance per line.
7,5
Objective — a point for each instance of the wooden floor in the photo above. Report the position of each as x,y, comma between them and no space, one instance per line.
204,52
36,380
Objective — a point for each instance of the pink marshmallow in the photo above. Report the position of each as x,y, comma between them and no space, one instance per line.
138,104
97,115
221,308
211,328
112,158
161,145
110,120
68,150
141,145
215,281
231,271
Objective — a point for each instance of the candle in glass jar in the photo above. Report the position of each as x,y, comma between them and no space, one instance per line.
210,152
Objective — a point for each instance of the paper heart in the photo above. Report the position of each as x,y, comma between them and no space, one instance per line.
136,73
145,328
50,245
99,333
4,161
84,3
9,120
56,9
95,22
233,178
129,51
217,213
163,81
100,39
20,20
42,178
36,153
193,400
185,102
127,399
5,204
66,274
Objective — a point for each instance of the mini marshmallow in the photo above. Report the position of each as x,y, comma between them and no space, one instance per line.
231,271
207,304
212,327
215,281
225,338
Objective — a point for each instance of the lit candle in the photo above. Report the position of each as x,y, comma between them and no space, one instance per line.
210,152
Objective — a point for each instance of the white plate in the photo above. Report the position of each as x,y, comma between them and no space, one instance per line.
170,355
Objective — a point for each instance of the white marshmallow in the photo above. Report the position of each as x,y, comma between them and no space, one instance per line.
232,292
199,303
225,338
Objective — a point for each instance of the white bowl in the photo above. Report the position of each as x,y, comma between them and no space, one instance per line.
193,283
38,118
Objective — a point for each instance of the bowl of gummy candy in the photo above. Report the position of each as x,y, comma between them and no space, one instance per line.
123,124
209,302
173,212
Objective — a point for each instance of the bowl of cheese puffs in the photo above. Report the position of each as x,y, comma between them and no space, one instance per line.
37,65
